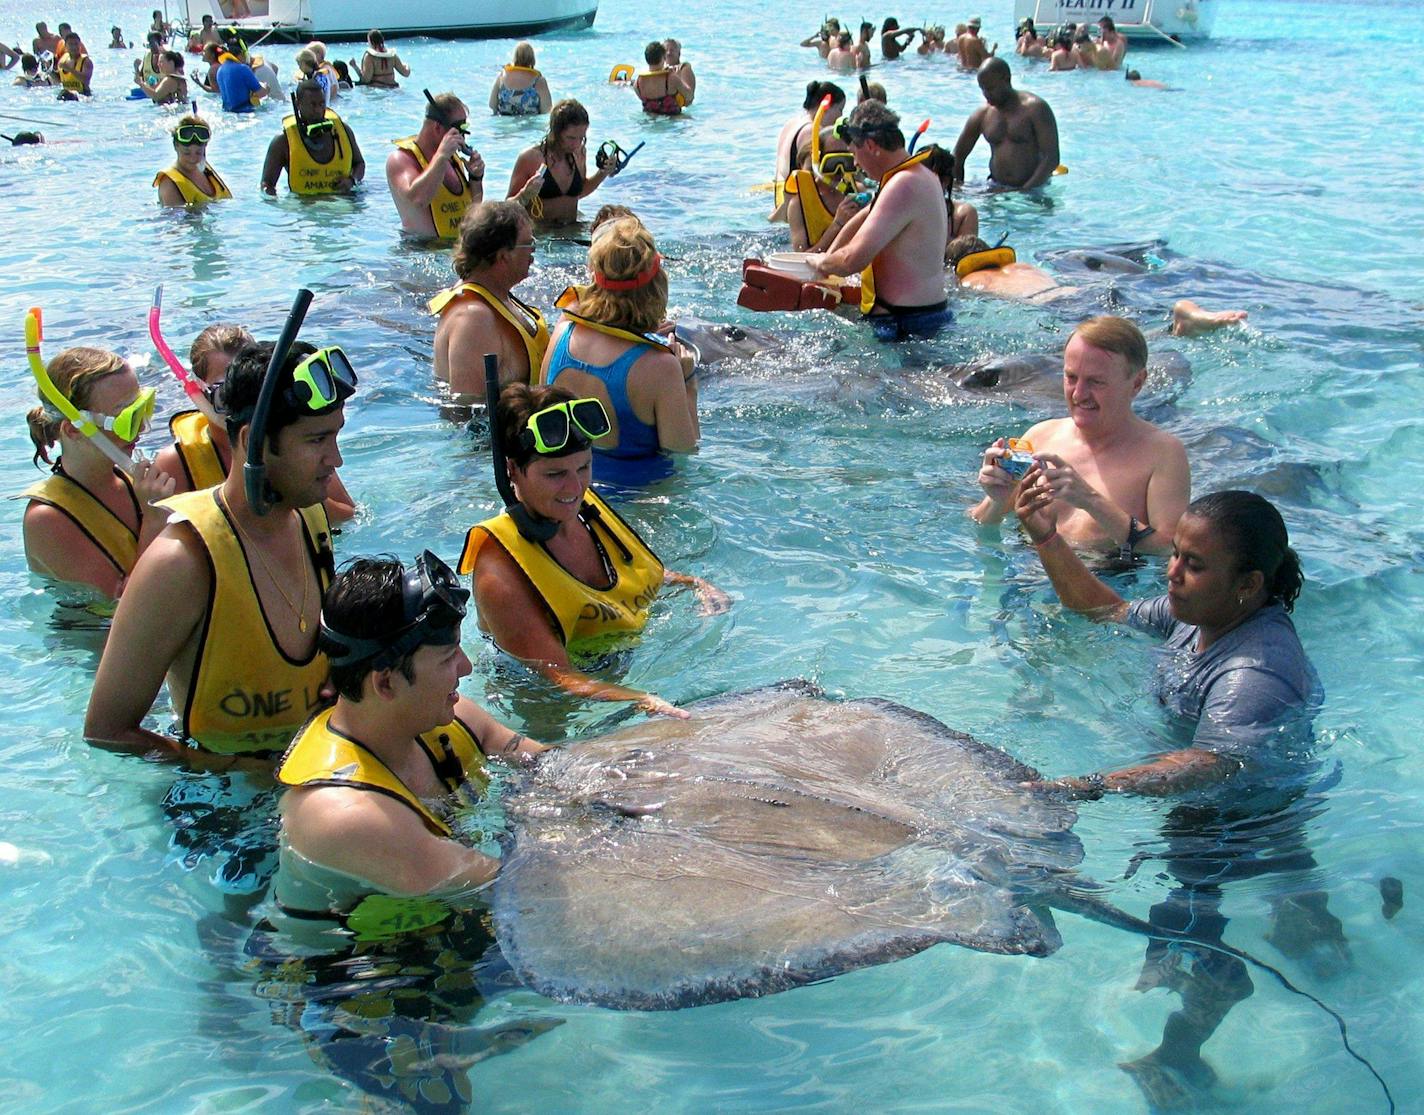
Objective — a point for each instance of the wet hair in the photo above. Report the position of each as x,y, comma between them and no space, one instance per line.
442,108
940,160
365,601
524,55
1082,35
843,39
567,113
624,250
511,414
890,24
174,57
75,371
1107,24
962,246
1255,534
1116,335
29,62
866,25
343,71
654,53
227,339
486,230
375,40
608,213
1132,75
243,383
881,122
189,119
816,91
874,91
1027,28
1063,40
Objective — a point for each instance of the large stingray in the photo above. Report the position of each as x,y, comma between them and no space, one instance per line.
774,839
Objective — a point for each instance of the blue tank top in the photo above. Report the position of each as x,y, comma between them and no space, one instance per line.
635,437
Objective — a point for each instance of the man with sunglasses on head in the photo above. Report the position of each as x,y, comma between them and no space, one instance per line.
316,148
897,242
481,313
366,823
225,603
434,175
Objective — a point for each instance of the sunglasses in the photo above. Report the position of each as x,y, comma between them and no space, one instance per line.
552,427
190,135
323,379
130,422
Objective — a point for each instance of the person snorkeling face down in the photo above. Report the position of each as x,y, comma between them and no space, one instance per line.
300,448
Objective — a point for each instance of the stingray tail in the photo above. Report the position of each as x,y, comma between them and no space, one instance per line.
1100,911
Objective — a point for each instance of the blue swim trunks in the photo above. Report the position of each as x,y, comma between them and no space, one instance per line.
901,323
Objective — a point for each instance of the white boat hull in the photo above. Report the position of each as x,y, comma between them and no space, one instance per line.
1141,21
350,20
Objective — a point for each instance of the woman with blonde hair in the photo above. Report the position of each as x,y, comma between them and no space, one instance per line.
549,178
608,349
88,521
520,89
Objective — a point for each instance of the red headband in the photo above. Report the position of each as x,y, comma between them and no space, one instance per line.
642,279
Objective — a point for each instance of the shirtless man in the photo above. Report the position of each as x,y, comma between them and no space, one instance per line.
45,40
433,186
862,46
972,51
225,602
842,58
825,38
900,236
1027,283
1112,45
1118,482
481,314
1020,128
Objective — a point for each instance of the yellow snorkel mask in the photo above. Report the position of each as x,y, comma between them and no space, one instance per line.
130,417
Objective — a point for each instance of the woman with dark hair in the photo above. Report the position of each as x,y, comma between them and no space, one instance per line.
584,576
1238,669
549,178
662,91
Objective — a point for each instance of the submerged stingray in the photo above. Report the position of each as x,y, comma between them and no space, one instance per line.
778,838
774,839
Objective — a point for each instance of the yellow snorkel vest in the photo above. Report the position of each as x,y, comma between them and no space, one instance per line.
196,452
536,342
110,534
191,194
321,756
304,174
580,612
446,208
815,217
867,277
981,261
244,693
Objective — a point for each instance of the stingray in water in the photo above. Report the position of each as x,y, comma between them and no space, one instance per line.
775,839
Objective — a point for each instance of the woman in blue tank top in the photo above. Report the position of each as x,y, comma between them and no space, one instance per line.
607,349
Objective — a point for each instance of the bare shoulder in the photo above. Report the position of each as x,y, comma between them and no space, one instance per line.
1050,433
400,165
175,567
1162,442
326,823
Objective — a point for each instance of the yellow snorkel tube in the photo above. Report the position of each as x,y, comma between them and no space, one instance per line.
816,132
34,333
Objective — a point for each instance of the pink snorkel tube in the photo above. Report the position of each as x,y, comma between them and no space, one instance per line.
192,386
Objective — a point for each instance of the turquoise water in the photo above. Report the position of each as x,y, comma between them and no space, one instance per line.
1283,176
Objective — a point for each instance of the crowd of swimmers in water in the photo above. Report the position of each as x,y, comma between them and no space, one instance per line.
226,580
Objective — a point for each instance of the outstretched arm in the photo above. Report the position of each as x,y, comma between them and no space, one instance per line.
1077,587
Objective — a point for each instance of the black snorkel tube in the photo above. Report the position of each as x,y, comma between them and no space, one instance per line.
536,528
261,497
465,148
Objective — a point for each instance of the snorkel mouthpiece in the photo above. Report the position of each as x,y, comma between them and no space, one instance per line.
535,528
260,495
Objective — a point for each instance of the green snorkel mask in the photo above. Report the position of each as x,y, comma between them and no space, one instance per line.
323,380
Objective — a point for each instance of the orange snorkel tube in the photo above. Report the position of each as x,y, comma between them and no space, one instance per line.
921,130
191,385
34,333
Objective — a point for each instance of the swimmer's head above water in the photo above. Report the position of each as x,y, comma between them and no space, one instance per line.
630,286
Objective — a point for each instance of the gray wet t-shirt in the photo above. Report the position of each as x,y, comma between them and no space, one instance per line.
1243,688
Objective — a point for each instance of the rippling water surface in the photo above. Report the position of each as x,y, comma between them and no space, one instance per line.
1282,175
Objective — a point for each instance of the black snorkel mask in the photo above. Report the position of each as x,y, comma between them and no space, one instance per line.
433,606
320,383
610,154
433,112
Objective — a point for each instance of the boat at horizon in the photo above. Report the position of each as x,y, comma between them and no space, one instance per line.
1142,21
350,20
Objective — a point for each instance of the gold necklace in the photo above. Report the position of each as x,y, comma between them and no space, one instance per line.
299,612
